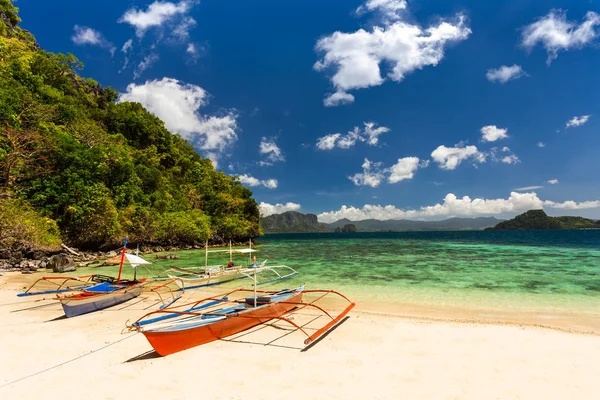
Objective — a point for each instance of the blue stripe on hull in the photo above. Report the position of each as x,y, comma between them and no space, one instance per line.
100,304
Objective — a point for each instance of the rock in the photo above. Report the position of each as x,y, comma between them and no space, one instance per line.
111,254
43,264
5,255
61,263
167,256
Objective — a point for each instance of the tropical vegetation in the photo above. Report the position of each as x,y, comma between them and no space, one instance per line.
78,165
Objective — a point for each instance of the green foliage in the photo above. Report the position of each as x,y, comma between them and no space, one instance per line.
292,221
22,227
101,169
10,11
537,219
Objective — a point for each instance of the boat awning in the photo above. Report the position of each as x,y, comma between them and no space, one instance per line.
130,259
237,251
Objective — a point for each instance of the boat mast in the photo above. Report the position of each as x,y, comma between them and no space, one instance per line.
206,254
122,259
255,287
230,252
137,253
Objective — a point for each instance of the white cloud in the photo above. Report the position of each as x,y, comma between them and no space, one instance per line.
178,105
267,209
505,73
84,35
511,159
555,33
541,144
127,46
491,133
372,175
405,168
144,65
369,134
328,142
389,8
578,121
269,148
450,157
337,98
356,57
157,14
454,206
182,30
251,181
553,181
526,188
503,158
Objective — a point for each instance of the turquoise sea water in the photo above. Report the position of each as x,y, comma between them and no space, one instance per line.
540,272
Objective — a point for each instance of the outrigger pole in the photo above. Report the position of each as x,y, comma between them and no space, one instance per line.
122,259
206,253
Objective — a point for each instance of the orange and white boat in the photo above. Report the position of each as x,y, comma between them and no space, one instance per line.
189,325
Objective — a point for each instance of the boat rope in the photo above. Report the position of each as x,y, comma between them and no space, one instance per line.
66,362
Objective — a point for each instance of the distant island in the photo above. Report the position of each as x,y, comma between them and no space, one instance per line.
346,228
292,222
538,219
295,222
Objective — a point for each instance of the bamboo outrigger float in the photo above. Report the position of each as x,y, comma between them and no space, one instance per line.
175,329
63,284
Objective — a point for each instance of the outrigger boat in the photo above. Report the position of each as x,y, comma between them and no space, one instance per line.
110,292
196,277
174,329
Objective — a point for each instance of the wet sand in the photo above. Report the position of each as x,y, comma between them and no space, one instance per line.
369,356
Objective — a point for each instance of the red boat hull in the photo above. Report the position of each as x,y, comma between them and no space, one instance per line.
170,342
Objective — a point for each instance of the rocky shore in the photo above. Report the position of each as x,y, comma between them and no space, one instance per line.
68,259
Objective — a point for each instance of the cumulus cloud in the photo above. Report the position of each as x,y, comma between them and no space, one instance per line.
541,144
356,57
554,33
578,121
491,133
505,73
157,14
449,158
453,206
553,181
178,105
405,168
251,181
372,174
271,151
267,209
369,134
84,35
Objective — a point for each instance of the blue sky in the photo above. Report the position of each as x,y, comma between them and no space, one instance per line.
362,109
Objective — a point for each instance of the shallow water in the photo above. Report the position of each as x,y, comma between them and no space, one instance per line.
545,273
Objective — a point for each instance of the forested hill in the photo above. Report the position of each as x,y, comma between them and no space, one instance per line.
291,222
538,219
78,166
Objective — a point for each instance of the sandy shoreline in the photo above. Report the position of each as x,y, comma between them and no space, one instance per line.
369,356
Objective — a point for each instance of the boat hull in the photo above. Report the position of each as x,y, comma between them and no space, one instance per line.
87,303
169,342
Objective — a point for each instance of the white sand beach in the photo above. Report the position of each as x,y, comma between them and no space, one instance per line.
369,356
